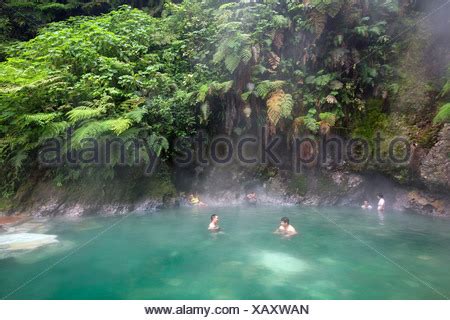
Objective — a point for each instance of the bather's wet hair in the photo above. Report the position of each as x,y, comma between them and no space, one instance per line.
285,220
380,195
213,216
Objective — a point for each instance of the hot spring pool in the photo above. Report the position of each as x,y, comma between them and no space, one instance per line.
340,254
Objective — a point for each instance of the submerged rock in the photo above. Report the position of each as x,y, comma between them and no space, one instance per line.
16,242
281,263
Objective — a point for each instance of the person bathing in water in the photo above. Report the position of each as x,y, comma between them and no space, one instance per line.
251,198
195,201
214,224
366,205
286,228
380,202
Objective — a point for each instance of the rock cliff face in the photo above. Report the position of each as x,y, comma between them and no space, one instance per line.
124,193
224,186
435,167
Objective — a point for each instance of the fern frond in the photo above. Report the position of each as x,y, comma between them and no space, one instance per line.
84,113
328,117
246,54
118,126
53,130
246,95
157,143
136,115
96,129
232,62
279,105
445,89
133,103
19,158
265,87
220,53
273,59
233,50
132,133
278,39
222,87
318,20
202,92
443,114
40,119
93,129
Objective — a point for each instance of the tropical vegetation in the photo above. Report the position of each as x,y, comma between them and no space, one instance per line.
227,66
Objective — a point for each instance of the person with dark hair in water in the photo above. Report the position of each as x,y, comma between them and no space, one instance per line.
366,205
286,228
214,224
380,202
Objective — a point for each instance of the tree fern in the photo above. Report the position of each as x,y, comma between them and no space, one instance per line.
233,50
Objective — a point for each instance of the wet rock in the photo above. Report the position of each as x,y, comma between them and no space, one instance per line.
423,203
148,205
169,201
7,222
346,180
435,168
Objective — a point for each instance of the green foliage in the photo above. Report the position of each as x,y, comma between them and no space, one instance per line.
264,88
233,50
116,75
312,51
21,19
371,121
299,185
311,64
325,184
5,203
279,105
443,114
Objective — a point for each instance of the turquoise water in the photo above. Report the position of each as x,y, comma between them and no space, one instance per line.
340,254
